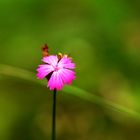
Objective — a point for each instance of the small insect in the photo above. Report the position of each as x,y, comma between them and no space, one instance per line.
45,50
45,53
60,56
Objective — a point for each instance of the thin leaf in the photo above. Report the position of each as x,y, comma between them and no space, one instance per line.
27,75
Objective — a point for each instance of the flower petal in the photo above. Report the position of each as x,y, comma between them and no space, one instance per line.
67,75
44,70
69,66
55,81
52,60
66,62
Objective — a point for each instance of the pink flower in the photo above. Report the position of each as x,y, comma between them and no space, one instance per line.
58,71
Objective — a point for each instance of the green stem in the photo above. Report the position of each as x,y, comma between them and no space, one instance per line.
54,116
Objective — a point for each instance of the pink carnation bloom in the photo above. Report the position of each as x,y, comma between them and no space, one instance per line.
60,70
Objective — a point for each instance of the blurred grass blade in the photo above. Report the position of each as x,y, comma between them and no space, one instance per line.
100,101
27,75
18,72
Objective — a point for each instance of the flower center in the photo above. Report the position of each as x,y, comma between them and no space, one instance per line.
56,68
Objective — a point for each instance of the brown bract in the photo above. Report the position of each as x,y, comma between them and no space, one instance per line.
45,50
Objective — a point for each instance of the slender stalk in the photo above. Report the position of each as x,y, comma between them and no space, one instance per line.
54,116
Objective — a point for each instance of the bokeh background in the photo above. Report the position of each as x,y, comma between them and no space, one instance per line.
103,37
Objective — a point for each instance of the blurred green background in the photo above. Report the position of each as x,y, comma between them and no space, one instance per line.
103,37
